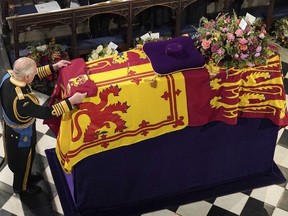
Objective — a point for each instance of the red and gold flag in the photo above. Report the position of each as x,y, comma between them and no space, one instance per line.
251,92
132,104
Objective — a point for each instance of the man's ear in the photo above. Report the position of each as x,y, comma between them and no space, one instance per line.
26,77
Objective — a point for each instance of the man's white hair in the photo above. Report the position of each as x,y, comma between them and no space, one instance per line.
24,66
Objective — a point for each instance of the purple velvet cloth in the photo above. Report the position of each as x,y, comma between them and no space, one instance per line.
173,55
189,165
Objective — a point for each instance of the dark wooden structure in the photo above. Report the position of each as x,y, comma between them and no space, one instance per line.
13,26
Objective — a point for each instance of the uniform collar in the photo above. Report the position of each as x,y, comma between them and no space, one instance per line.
17,82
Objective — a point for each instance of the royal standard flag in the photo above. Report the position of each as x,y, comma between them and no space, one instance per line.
132,104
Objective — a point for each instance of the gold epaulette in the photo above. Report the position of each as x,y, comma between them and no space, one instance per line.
19,93
44,71
60,108
10,72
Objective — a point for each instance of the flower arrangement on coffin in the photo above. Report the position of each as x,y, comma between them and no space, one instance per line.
280,32
232,41
102,51
45,54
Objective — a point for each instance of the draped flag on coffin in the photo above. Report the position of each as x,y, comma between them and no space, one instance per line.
251,92
128,108
132,104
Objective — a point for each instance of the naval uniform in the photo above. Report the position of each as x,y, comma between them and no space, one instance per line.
20,109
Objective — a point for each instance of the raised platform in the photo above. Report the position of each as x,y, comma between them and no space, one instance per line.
189,165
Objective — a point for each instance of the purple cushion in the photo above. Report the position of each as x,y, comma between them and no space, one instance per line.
173,55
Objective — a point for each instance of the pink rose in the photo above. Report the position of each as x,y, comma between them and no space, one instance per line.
215,47
230,37
243,41
239,33
243,56
219,52
248,29
243,47
258,49
206,44
225,29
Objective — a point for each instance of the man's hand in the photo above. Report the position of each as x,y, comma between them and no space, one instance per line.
60,64
77,98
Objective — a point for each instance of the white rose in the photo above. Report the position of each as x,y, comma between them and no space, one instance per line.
115,52
95,56
41,48
99,49
262,36
109,51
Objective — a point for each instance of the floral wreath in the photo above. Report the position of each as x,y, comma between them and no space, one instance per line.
233,41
